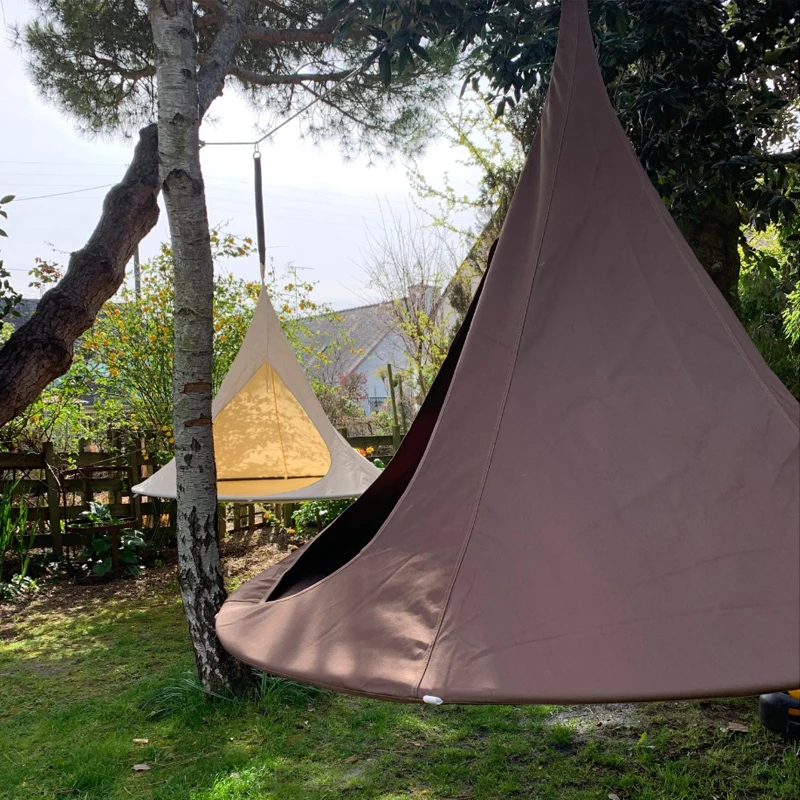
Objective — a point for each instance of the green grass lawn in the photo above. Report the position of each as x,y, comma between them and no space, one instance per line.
78,685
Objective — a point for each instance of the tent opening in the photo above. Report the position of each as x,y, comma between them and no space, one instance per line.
358,525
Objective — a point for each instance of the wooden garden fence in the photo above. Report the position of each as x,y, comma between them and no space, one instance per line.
58,487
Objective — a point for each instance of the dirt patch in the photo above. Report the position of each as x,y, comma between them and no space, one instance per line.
608,717
243,555
246,553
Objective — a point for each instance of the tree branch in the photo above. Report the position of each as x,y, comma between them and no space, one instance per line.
130,74
41,350
220,9
289,35
298,78
211,76
297,17
326,101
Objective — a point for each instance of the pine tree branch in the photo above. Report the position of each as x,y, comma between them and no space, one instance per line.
322,98
289,35
297,17
211,76
298,78
129,74
220,9
41,350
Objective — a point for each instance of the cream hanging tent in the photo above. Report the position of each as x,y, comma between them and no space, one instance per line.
272,439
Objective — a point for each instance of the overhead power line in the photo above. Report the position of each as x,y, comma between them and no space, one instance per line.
61,194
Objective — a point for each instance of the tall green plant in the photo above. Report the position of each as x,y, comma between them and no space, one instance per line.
13,522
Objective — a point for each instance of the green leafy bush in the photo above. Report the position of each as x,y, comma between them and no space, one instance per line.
769,292
313,516
18,586
98,543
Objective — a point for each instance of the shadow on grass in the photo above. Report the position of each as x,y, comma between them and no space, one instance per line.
85,695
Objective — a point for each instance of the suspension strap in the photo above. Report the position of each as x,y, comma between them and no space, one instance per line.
262,247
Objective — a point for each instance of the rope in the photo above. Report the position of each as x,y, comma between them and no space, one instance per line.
272,131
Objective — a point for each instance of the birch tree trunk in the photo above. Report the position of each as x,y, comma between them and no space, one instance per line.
199,569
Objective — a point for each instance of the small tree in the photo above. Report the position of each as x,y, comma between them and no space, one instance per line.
130,351
9,297
342,401
494,146
409,264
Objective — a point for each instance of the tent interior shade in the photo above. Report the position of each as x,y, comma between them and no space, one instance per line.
272,439
264,436
598,500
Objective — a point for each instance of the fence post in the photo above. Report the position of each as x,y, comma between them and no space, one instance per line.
402,404
287,509
395,423
52,499
136,500
251,516
222,524
237,516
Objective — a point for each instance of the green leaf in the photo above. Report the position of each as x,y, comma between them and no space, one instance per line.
7,199
403,62
102,567
385,68
338,6
101,545
343,32
420,51
377,32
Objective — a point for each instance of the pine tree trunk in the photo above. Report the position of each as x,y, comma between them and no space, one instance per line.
199,569
714,238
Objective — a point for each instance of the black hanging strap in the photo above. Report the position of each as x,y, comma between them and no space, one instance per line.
262,247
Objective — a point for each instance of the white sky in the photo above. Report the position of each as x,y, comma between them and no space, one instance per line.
318,209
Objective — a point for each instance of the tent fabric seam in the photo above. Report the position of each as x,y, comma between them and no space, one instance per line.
271,382
509,380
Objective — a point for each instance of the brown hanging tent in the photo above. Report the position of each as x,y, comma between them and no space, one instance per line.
600,498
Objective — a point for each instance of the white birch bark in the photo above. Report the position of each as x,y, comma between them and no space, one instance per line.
199,569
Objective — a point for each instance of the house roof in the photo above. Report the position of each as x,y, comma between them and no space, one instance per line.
358,329
25,309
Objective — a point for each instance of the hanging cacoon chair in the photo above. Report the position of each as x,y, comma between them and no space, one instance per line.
272,439
599,500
